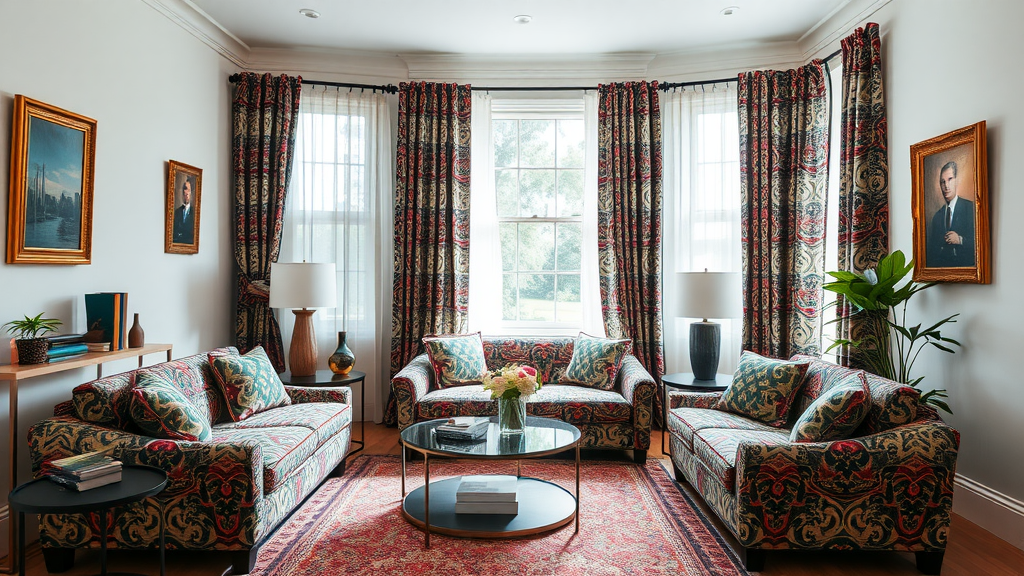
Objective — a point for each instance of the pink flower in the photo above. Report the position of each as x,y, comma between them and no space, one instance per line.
527,372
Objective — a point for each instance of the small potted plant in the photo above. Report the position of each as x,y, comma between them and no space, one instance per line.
28,334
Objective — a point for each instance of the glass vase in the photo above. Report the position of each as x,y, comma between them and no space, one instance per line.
511,415
342,361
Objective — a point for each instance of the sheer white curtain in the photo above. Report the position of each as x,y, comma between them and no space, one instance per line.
339,203
700,132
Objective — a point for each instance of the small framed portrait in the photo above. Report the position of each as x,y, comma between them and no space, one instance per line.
53,155
184,196
950,204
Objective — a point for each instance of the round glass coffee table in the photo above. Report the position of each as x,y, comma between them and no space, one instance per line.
543,505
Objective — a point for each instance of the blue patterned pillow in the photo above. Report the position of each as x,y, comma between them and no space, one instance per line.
457,359
837,413
250,383
595,361
161,410
763,388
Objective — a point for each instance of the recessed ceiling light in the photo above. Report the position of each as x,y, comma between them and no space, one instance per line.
309,13
730,10
523,19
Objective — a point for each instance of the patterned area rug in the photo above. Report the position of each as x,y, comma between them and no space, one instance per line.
633,520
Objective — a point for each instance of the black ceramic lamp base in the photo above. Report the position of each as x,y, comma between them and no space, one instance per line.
705,343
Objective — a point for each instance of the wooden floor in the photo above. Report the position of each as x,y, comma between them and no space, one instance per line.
972,551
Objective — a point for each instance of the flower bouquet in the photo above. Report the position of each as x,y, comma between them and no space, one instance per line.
510,386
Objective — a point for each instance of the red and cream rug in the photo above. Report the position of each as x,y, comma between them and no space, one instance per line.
633,520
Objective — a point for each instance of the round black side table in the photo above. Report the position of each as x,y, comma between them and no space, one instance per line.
43,496
329,379
685,381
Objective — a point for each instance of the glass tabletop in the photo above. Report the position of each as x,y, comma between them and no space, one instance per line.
541,436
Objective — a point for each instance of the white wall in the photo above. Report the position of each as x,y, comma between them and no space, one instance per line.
157,94
949,64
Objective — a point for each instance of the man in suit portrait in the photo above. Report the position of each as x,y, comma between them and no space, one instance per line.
184,216
951,230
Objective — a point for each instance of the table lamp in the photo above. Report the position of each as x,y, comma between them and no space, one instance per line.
707,295
303,287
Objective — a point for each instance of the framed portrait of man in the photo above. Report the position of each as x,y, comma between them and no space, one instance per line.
950,204
184,195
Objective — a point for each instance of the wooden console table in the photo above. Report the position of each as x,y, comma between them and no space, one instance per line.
14,373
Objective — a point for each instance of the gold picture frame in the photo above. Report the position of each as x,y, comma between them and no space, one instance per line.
950,205
182,208
53,158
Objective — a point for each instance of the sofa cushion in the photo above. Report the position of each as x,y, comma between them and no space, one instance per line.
194,378
458,360
250,383
161,410
550,356
285,448
763,388
684,422
835,414
573,404
324,418
595,361
716,448
469,400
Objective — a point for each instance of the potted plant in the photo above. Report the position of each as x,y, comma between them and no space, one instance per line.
28,333
889,347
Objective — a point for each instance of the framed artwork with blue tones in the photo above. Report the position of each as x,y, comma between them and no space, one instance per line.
181,215
950,204
53,155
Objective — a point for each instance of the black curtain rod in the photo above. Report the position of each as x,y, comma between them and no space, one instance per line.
670,85
530,88
387,88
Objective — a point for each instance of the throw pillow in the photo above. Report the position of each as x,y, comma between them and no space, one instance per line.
763,388
250,383
457,359
595,361
835,414
163,411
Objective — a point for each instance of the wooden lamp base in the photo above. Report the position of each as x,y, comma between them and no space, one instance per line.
302,354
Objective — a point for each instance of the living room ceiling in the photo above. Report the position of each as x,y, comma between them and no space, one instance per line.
487,26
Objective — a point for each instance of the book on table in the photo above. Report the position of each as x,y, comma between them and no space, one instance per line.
487,508
463,428
105,314
487,494
82,485
83,471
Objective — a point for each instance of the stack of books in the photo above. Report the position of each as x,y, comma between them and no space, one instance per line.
106,316
487,494
84,471
463,429
66,347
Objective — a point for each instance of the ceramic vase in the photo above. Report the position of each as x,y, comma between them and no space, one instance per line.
511,415
136,336
343,360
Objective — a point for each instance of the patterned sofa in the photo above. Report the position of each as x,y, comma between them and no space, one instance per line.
890,487
613,419
226,493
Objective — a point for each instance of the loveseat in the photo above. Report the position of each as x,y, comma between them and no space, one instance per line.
228,492
613,419
888,486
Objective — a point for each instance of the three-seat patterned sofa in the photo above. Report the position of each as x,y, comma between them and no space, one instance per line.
228,492
615,419
889,487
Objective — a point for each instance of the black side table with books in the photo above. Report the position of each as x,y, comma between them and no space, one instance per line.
44,496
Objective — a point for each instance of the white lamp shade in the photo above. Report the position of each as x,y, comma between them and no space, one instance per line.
709,295
303,285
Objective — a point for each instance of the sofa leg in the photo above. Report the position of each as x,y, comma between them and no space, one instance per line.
930,562
59,559
753,559
339,470
678,473
243,561
640,456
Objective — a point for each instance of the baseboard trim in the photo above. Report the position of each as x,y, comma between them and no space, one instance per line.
994,511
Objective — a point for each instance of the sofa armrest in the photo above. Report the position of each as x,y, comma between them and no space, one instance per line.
219,483
309,394
692,399
891,490
638,388
410,385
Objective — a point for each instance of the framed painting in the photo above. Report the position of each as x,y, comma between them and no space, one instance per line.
950,204
184,199
53,155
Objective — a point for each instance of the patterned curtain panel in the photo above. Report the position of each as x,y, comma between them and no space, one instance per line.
864,170
784,135
431,289
264,113
629,204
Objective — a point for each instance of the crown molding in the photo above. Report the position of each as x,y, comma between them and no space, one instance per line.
534,67
684,66
353,66
822,40
199,24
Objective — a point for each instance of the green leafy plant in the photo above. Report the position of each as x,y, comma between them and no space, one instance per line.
30,328
891,347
